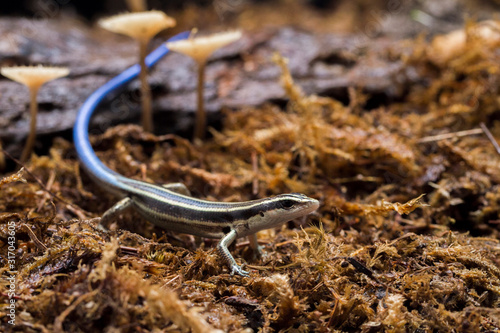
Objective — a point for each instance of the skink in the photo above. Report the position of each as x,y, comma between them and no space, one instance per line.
170,206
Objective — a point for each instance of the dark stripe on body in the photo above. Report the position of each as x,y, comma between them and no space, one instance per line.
177,205
171,218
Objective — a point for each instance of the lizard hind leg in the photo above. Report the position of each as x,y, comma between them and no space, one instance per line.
113,212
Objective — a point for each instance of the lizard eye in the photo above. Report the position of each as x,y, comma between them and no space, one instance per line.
287,204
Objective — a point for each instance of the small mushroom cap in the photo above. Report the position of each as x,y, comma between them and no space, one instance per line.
33,76
139,25
200,48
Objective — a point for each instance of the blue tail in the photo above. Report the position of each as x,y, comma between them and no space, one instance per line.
84,150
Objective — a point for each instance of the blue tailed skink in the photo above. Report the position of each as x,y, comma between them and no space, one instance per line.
170,206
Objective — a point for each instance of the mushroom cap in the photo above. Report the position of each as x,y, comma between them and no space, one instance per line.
33,76
200,48
139,25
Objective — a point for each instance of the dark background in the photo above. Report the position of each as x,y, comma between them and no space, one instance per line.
92,9
392,18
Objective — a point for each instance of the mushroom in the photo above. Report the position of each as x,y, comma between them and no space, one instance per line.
33,77
200,48
142,26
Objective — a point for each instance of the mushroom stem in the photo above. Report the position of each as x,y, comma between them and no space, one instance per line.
30,142
2,158
200,49
147,115
142,26
137,5
201,116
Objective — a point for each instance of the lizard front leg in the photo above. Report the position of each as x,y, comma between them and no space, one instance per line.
223,251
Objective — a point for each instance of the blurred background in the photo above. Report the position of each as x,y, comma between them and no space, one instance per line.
395,18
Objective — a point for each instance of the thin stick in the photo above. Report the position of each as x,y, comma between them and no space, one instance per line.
30,142
450,135
31,234
336,302
201,117
147,114
490,137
